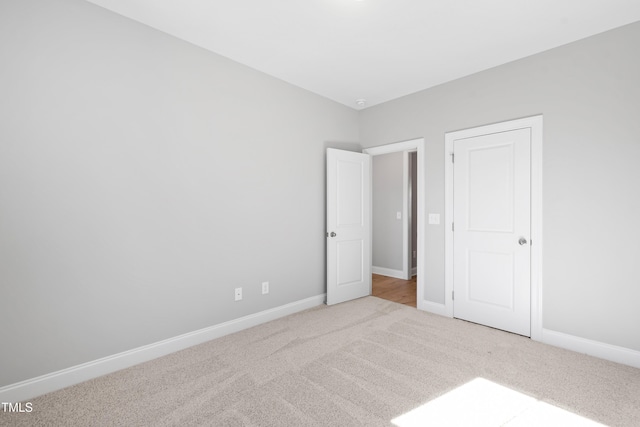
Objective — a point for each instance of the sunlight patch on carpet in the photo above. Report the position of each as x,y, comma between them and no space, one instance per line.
481,402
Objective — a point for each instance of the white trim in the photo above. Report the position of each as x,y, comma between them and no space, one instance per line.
432,307
414,271
448,222
536,227
396,147
389,272
406,217
535,124
417,145
76,374
599,349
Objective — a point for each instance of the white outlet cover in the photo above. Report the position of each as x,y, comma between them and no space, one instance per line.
398,215
434,218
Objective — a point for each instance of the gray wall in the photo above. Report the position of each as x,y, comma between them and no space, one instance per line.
386,202
142,179
589,94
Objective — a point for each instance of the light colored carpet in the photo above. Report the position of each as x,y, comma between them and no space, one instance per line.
365,362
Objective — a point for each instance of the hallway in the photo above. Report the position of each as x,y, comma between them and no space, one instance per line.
396,290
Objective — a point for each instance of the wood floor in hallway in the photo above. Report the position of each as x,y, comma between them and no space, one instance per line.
396,290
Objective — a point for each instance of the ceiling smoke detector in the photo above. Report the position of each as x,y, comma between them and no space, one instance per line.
361,102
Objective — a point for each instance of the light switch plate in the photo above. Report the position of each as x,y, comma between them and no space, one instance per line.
434,218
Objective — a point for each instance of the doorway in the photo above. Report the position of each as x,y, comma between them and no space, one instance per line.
394,227
349,221
398,221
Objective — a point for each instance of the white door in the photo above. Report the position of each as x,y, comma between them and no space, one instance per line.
348,225
492,229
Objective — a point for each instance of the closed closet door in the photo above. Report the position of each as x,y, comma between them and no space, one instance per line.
492,228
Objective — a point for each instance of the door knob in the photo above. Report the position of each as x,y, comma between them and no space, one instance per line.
332,234
522,241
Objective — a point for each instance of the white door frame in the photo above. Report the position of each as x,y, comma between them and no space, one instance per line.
417,145
535,124
408,190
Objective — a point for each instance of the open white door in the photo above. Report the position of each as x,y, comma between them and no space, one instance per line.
348,225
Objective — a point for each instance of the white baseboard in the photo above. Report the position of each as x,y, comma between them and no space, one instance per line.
613,353
414,271
602,350
432,307
398,274
47,383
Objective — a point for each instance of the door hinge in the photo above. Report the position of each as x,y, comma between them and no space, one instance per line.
453,158
453,297
453,228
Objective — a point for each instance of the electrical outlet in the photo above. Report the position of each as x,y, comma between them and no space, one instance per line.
265,288
238,294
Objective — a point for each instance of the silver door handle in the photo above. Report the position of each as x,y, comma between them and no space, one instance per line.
522,241
332,234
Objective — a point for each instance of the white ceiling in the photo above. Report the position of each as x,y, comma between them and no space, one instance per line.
376,49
